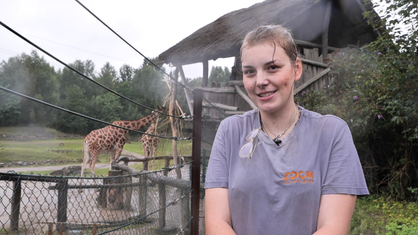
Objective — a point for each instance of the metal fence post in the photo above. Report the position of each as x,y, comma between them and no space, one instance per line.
14,215
143,195
62,205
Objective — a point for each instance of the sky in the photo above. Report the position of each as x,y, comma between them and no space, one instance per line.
69,32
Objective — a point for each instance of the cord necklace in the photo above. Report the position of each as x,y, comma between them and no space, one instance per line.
277,139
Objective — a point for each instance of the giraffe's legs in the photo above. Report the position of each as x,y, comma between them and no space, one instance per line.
86,159
153,150
146,154
152,154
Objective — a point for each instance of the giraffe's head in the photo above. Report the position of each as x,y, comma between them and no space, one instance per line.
160,110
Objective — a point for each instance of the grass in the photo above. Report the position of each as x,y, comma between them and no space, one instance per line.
40,150
66,151
382,215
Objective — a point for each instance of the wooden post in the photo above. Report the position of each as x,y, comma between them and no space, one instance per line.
162,204
62,206
127,192
114,194
94,229
205,73
142,195
197,139
174,130
166,164
50,228
101,198
184,81
15,213
145,165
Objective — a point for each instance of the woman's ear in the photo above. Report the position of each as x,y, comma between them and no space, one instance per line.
298,69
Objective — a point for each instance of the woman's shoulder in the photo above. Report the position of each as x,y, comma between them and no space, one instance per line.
245,117
317,118
241,123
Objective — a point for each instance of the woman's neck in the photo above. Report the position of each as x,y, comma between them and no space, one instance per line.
275,124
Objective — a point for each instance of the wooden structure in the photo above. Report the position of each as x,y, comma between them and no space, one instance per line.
320,27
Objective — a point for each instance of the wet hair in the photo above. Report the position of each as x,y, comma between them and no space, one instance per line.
276,34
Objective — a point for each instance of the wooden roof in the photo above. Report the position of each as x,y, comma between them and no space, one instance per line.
223,37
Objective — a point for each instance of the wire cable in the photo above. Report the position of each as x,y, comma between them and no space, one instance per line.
79,73
85,116
156,66
151,62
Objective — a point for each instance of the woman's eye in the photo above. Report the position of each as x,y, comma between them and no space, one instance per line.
249,72
273,67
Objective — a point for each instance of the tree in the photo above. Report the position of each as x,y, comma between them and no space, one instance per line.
219,76
149,86
106,107
69,77
108,77
126,73
75,101
33,76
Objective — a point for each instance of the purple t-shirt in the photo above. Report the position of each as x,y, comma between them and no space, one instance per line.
278,190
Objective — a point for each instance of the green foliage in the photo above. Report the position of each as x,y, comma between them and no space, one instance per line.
382,215
378,104
33,76
375,92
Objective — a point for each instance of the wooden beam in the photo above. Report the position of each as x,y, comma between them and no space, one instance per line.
237,82
314,45
245,97
325,27
221,106
314,63
310,81
218,89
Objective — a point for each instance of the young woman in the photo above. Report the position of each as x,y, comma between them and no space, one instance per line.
280,169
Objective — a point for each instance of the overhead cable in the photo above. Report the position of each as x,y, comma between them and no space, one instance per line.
79,73
151,62
84,116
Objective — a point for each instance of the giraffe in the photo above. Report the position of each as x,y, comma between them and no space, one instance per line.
111,139
150,143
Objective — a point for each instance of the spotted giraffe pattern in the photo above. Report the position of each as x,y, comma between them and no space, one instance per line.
111,140
149,142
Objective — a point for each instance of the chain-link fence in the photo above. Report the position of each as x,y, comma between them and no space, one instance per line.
146,203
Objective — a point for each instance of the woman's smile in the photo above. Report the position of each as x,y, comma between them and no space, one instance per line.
266,94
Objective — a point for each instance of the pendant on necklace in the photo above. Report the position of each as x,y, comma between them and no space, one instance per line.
277,141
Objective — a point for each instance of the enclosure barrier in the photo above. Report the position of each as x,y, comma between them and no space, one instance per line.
145,203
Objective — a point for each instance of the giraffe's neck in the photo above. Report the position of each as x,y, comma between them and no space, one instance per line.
137,124
152,127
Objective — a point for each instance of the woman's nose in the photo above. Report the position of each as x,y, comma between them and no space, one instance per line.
261,80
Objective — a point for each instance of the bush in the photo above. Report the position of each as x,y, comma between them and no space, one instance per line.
375,94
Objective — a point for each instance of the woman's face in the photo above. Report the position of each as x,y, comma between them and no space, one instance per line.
269,76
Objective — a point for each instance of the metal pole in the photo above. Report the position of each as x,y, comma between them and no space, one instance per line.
197,139
15,210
